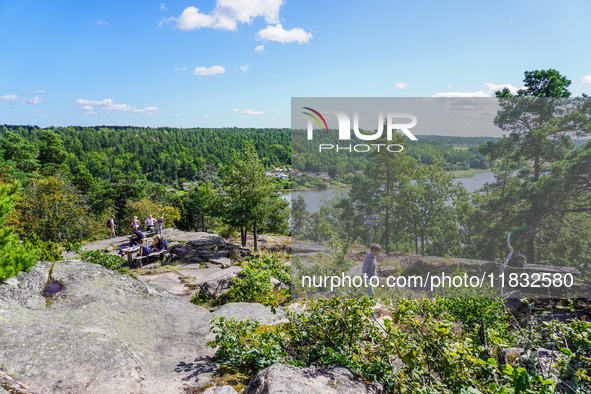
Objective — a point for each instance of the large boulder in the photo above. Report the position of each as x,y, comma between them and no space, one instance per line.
102,333
286,379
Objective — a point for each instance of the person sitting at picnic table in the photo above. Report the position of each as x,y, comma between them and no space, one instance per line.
137,238
160,223
134,222
159,244
150,222
144,249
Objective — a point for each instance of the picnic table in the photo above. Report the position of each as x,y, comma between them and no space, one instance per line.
129,251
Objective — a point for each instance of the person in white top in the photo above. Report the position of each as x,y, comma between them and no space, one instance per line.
150,222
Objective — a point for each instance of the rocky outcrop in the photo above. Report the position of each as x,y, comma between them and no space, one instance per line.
103,333
281,378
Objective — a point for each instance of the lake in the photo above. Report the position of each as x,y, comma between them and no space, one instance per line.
314,198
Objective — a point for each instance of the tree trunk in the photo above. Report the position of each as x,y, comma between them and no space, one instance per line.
254,230
243,236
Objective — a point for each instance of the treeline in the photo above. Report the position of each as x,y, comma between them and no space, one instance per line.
454,153
163,155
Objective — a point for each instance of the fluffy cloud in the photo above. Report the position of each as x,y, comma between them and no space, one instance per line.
37,92
401,85
180,69
163,6
244,68
35,101
213,70
248,112
259,49
227,14
100,23
91,106
9,97
490,92
586,79
279,34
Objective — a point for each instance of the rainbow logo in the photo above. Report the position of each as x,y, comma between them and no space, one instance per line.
315,118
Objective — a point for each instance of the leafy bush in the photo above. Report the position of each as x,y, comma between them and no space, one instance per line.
110,261
421,349
16,256
255,279
48,250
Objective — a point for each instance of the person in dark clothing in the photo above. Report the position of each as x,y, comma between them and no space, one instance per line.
137,238
158,244
370,265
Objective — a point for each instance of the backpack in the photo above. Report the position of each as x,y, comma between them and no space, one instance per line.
109,223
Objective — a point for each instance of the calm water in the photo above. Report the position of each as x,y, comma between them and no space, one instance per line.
314,198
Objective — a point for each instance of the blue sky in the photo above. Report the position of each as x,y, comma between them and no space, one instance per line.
227,63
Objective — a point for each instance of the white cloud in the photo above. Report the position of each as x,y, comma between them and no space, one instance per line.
100,23
259,49
9,97
369,86
490,92
207,116
175,115
401,85
91,106
586,79
213,70
449,86
248,112
180,69
37,92
35,101
273,118
163,6
227,14
279,34
244,68
492,88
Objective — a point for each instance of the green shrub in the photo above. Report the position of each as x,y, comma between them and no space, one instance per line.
110,261
48,250
422,349
15,256
254,282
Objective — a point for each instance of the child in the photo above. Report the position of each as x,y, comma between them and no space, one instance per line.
370,265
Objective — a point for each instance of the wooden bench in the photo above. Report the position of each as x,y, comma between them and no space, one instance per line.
154,255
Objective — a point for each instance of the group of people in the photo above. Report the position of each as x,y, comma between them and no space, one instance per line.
135,225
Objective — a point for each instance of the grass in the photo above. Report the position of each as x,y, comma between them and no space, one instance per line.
468,173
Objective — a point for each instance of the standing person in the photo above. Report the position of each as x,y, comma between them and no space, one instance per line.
135,222
160,223
370,265
111,226
150,222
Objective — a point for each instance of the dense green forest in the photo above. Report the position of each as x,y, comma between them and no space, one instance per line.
163,155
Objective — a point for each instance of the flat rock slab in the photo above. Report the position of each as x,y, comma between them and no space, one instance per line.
286,379
169,281
251,311
103,333
204,275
